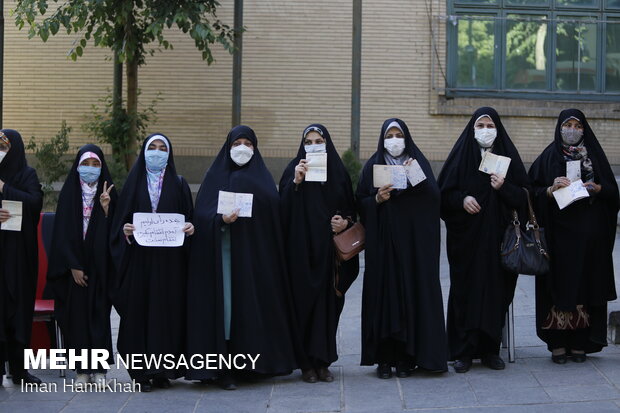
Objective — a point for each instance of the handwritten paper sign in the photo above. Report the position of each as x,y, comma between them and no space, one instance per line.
494,164
569,194
227,202
317,167
389,174
159,230
414,172
15,210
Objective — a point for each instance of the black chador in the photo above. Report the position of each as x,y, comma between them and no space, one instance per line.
480,289
151,282
18,256
80,242
318,280
402,307
239,299
581,241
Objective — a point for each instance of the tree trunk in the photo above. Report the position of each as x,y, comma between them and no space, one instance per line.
132,111
117,88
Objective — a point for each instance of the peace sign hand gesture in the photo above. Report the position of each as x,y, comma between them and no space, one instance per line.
104,199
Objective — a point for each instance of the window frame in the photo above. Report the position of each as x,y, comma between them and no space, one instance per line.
500,10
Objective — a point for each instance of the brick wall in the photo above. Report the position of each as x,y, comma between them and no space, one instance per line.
296,70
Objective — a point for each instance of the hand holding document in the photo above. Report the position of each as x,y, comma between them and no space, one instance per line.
397,175
569,194
389,174
228,202
159,230
414,172
494,164
15,210
317,167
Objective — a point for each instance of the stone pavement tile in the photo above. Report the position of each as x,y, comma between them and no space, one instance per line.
94,407
609,366
582,393
514,376
422,381
585,375
141,402
526,352
57,393
546,365
437,390
364,391
349,339
291,394
88,398
181,397
248,398
583,407
512,396
460,397
29,406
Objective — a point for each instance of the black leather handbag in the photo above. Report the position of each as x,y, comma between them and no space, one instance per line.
525,252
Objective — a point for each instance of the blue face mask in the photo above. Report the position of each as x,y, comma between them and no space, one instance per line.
155,160
89,174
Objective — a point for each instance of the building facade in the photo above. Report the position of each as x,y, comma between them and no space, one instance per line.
429,62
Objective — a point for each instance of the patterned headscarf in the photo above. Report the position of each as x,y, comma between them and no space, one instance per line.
579,152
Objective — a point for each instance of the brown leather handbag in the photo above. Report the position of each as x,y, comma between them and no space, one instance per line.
350,242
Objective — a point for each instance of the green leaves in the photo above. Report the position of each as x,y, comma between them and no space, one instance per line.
128,26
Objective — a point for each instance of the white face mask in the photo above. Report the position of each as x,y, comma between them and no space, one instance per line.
571,136
316,148
2,155
485,136
394,146
241,154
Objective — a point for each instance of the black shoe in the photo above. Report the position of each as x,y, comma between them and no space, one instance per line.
227,382
324,374
462,365
145,386
578,357
309,376
493,361
384,371
161,382
559,359
27,378
404,369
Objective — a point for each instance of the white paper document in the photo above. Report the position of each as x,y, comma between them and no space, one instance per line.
159,230
317,167
414,172
389,174
494,164
227,202
15,210
573,170
569,194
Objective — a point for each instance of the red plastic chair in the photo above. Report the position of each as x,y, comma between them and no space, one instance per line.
44,308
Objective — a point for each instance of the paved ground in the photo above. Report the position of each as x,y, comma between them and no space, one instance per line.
532,384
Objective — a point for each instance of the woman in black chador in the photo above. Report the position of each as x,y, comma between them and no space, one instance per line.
571,301
80,261
238,292
476,208
151,282
18,255
402,307
312,212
